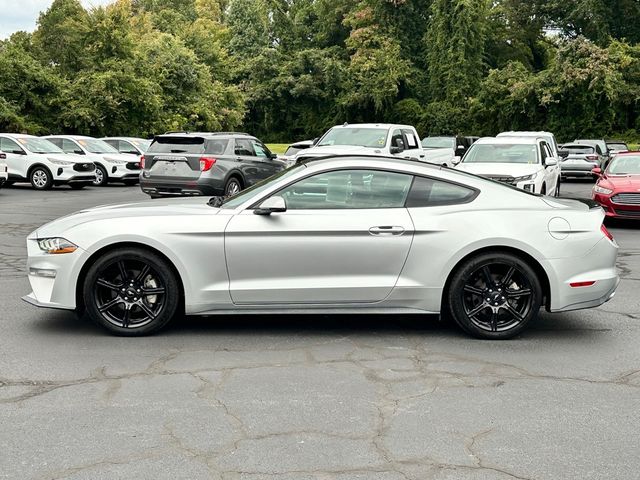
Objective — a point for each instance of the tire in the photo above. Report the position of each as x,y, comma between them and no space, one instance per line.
232,187
130,183
511,286
131,292
41,178
102,178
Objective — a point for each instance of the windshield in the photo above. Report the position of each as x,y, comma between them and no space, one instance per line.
617,146
38,145
142,144
361,137
501,153
93,145
625,165
438,142
244,195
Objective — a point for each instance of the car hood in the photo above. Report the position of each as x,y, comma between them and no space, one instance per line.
626,182
148,208
431,153
63,157
127,157
338,150
510,169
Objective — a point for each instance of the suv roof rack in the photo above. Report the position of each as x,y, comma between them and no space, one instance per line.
205,133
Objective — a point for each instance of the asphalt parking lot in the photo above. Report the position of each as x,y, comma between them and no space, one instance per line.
312,397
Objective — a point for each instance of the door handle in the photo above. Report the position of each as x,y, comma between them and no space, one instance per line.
386,230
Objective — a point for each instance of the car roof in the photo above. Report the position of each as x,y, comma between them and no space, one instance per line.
302,143
508,140
372,125
205,134
18,135
627,154
71,137
524,134
574,144
124,138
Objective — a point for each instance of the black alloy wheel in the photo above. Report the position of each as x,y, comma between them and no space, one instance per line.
494,296
131,292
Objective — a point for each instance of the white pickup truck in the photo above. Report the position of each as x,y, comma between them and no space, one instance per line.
381,139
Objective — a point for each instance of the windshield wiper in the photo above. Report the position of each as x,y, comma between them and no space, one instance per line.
216,201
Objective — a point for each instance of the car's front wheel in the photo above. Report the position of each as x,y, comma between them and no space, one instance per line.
131,292
494,295
40,178
102,178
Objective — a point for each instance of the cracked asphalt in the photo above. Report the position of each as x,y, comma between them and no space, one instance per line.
312,397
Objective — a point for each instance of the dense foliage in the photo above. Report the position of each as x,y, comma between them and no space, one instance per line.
288,69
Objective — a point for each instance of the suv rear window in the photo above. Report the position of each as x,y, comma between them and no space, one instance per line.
174,144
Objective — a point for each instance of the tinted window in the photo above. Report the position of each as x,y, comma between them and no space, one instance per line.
56,141
70,147
9,146
428,192
348,189
217,146
243,147
126,147
113,143
175,144
578,149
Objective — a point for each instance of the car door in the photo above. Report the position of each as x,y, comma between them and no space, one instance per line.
343,239
17,160
247,161
268,164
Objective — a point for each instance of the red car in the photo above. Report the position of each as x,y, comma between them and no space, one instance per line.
618,187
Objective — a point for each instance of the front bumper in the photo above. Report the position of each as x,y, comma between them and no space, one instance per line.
64,175
122,172
616,210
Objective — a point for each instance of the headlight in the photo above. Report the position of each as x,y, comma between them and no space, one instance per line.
526,177
56,245
118,162
599,189
60,162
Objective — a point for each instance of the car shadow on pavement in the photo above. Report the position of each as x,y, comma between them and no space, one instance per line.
558,326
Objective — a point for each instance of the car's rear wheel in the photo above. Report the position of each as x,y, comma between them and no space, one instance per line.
102,178
131,292
494,296
40,178
232,187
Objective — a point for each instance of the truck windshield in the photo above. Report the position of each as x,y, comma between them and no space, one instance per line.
438,142
361,137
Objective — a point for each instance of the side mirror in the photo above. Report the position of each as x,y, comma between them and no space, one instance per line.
315,140
18,152
597,171
275,204
130,152
398,147
78,152
550,162
273,156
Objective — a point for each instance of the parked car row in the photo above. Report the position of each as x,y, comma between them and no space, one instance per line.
73,160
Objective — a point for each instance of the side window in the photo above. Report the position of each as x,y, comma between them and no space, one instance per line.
543,151
348,189
547,150
397,139
243,147
260,150
125,147
70,147
9,146
217,146
56,141
428,192
412,141
113,143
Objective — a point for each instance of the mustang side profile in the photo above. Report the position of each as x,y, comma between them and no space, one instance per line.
346,234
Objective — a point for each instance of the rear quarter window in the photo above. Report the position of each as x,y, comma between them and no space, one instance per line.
217,146
429,192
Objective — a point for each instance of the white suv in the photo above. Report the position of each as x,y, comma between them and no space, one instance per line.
524,162
35,160
111,165
381,139
4,175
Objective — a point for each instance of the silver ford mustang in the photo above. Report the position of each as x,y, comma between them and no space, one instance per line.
344,234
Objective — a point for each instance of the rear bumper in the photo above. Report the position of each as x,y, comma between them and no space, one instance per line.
168,187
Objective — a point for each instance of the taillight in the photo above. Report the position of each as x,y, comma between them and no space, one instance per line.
582,284
141,161
592,157
606,232
206,163
3,156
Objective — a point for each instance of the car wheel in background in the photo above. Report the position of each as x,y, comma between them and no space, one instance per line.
131,292
101,176
40,178
494,295
232,187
